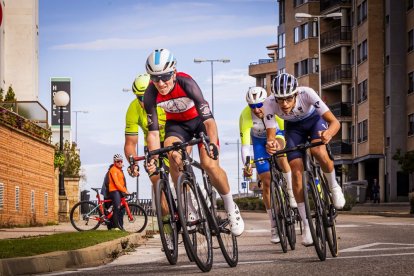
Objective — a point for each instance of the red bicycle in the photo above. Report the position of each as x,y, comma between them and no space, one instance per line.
88,215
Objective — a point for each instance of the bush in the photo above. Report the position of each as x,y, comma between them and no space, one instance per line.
350,202
411,199
245,203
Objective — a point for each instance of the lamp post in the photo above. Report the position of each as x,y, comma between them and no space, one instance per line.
238,163
76,122
200,60
61,99
299,17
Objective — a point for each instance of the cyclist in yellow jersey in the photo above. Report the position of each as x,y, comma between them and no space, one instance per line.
252,129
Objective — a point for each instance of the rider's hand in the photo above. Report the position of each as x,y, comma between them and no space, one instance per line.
151,166
272,146
325,136
247,171
214,152
135,170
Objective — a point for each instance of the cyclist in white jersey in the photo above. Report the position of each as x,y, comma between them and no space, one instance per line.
252,129
305,115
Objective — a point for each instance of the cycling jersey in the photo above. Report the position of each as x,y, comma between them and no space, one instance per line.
252,128
136,116
183,103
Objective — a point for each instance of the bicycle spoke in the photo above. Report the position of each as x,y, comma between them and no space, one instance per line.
85,216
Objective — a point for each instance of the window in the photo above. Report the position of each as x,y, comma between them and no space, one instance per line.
387,60
362,12
411,124
299,2
410,41
410,82
362,91
46,204
387,142
387,101
282,14
1,195
410,4
306,66
362,51
305,31
281,40
32,201
352,133
351,95
363,131
296,35
17,198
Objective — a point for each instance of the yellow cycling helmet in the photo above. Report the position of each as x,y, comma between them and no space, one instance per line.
140,84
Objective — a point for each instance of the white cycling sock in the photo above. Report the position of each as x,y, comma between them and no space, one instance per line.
302,213
288,178
331,178
272,221
228,202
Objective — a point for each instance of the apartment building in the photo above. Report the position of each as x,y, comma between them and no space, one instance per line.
366,65
19,48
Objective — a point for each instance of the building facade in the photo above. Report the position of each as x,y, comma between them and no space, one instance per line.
19,48
362,64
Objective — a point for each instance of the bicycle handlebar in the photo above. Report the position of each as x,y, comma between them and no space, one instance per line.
301,147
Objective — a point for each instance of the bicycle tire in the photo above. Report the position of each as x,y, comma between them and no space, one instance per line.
197,234
139,221
290,222
85,216
314,214
329,218
169,225
278,208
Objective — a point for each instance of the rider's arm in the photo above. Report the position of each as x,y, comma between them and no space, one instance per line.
272,144
245,125
333,128
130,147
153,137
211,129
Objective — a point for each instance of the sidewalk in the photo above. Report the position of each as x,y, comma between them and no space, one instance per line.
387,209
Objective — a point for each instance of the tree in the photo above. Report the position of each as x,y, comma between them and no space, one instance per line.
10,96
406,161
1,94
69,160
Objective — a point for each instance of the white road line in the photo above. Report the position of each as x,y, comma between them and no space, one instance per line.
368,247
370,256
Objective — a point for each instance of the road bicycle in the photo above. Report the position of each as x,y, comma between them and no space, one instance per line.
320,210
88,215
191,214
283,214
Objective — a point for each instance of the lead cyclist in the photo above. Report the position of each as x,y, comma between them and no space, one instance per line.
305,115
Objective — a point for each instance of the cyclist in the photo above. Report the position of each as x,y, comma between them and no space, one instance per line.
188,114
305,115
117,187
252,128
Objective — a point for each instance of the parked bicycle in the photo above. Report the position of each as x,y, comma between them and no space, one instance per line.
320,210
88,215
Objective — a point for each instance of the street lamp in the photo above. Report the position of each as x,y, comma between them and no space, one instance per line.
61,99
238,163
299,18
200,60
76,122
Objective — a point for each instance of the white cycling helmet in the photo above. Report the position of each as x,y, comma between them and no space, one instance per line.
256,95
284,85
118,157
160,61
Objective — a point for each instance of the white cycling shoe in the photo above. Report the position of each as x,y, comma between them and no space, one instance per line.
292,200
274,238
307,237
338,197
236,221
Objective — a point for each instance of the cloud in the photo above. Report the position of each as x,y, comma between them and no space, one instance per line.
187,38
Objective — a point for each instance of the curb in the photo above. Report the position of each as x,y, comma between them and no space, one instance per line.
376,213
56,261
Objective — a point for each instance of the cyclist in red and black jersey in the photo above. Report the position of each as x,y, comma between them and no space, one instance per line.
188,114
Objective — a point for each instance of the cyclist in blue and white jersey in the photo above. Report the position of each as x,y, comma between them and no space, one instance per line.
305,115
252,129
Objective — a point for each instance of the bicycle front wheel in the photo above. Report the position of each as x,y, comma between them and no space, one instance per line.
195,226
278,210
227,241
85,216
137,220
314,213
329,216
167,224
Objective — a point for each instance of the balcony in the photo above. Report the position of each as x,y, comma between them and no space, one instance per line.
329,5
337,37
342,109
262,67
336,75
341,147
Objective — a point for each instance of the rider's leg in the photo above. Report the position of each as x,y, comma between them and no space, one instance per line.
287,174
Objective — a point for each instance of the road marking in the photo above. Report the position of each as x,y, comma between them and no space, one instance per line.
350,225
393,223
257,231
370,256
366,247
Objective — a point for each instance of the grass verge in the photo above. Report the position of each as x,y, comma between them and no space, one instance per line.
30,246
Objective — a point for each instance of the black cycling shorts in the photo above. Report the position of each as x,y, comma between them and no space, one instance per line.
186,130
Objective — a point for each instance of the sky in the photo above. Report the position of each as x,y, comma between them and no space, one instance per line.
102,46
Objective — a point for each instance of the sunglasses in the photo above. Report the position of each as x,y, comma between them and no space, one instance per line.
287,99
164,77
119,161
258,105
140,98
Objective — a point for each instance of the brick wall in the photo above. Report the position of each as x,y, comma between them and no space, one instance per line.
27,177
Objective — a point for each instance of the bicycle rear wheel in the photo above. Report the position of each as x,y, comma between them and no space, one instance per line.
195,226
138,220
167,224
290,222
278,211
329,216
85,216
314,214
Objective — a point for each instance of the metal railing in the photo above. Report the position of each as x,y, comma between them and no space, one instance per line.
341,147
263,61
341,109
336,36
31,110
338,73
326,4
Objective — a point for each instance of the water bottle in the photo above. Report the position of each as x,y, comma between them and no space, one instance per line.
318,185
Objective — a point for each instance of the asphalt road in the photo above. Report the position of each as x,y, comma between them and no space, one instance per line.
369,245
